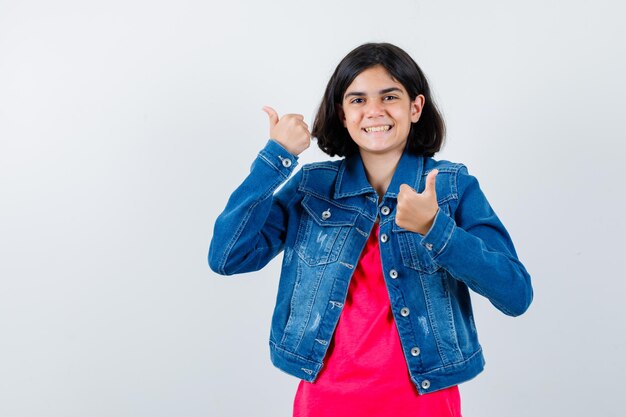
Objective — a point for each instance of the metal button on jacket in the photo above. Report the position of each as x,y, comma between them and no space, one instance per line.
326,214
429,246
286,162
404,312
393,274
425,384
385,210
383,238
415,351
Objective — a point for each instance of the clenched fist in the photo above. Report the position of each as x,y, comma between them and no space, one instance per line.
416,211
290,131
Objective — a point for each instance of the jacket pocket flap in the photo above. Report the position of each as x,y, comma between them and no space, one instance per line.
326,213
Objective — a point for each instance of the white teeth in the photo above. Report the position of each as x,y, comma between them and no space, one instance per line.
378,128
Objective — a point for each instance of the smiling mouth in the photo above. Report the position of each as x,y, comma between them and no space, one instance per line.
371,129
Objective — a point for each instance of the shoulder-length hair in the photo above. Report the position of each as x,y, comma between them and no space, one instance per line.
425,136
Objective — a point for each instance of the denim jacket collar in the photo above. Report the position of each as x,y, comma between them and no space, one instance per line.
352,180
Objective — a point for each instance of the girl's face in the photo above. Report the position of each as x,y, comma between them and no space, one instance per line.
378,112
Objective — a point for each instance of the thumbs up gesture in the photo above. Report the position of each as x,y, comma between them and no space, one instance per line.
416,211
290,131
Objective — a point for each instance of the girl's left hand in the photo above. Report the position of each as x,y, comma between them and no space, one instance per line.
416,211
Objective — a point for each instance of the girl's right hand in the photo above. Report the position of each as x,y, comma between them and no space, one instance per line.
290,131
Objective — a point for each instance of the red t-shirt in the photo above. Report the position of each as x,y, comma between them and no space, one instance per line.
365,373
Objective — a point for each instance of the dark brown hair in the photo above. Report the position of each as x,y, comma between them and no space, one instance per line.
426,135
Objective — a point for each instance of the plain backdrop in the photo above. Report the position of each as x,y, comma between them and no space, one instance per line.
125,126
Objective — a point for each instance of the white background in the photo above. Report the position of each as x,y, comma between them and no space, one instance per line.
125,125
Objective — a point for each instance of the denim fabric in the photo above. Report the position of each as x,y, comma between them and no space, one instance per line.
322,218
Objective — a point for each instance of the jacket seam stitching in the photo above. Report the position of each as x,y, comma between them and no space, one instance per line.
267,161
342,206
277,347
451,365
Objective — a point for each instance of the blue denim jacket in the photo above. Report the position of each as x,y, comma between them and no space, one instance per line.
322,218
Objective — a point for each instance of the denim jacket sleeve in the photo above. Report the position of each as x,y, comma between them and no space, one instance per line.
251,230
475,248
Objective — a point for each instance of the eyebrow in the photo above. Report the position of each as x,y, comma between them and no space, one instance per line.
381,92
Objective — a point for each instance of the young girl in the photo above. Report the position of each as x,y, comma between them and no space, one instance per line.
373,311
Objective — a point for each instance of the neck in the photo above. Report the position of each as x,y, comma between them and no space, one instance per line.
379,169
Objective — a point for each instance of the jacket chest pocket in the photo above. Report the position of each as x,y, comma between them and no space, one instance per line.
414,254
322,231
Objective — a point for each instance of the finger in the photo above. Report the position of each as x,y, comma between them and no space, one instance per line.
294,116
272,115
406,188
430,181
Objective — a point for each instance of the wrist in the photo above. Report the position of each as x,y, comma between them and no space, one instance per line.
429,224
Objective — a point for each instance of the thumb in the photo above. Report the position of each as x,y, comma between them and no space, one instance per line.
430,181
272,115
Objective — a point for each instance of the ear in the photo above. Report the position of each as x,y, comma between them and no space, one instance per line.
417,106
340,114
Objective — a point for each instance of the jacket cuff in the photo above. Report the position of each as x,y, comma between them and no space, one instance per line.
439,234
279,158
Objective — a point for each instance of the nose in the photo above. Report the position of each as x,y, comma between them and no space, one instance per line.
373,109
